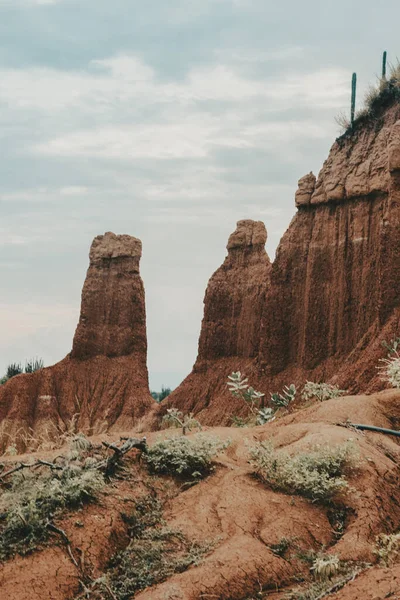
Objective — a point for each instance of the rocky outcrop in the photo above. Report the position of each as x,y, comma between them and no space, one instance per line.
235,296
333,292
230,332
305,190
103,383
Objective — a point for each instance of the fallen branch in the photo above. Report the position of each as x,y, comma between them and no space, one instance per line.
34,465
66,539
113,461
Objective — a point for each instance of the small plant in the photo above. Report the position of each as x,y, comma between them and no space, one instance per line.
265,415
239,421
34,364
317,474
80,443
391,369
388,548
392,346
184,457
284,399
239,387
321,391
175,418
11,450
282,546
325,567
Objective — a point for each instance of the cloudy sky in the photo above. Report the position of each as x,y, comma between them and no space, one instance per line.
168,120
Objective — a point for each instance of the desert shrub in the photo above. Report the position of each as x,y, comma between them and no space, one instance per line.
33,501
284,399
317,474
321,391
391,369
388,548
184,457
176,418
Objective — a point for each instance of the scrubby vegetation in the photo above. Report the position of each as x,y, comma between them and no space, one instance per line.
36,493
155,552
321,391
317,474
184,457
386,90
32,501
13,369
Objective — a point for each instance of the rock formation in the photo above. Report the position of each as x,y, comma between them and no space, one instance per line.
332,294
103,383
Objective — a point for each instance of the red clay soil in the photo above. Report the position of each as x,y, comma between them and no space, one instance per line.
242,516
103,383
332,294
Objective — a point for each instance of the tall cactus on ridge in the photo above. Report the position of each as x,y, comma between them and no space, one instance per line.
353,98
384,57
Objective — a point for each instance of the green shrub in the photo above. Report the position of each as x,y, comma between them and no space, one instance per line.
321,391
33,501
317,474
284,399
184,457
391,370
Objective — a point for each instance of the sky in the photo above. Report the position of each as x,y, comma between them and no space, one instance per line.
168,121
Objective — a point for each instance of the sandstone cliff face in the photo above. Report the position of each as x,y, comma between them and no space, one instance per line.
103,383
333,292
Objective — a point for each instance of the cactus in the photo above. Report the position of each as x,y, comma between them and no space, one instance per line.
384,65
353,97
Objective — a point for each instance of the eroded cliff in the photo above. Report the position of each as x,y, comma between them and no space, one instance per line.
332,294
